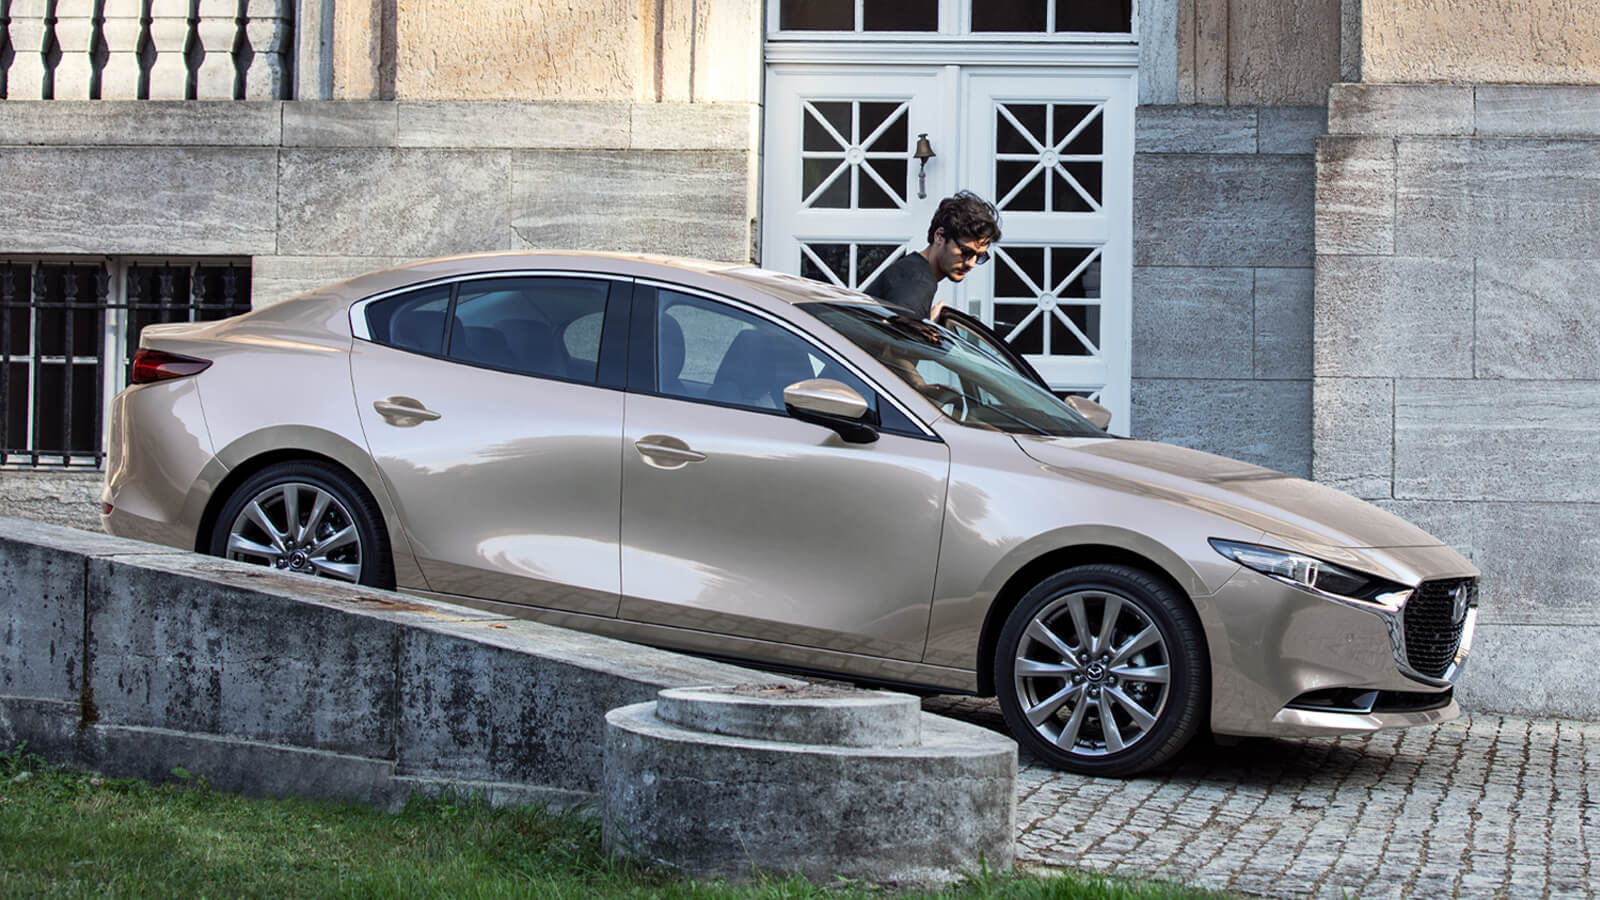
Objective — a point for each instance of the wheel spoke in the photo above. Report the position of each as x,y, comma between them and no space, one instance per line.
342,571
258,515
1152,674
1080,621
1032,668
1108,624
293,532
1042,633
336,540
1140,716
244,546
1108,727
1045,709
1068,738
1149,637
319,508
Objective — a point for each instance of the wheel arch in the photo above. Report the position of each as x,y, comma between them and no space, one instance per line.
1043,566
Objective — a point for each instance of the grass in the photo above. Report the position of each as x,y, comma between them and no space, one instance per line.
72,834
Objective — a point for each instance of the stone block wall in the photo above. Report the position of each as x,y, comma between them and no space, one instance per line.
1457,376
1222,280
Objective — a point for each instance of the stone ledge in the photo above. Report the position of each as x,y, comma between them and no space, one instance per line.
187,123
1400,109
1537,111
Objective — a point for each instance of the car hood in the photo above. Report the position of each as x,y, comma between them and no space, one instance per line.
1297,511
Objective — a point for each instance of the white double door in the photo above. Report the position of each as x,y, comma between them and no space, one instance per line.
1052,148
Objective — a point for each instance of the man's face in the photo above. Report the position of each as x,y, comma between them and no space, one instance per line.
953,257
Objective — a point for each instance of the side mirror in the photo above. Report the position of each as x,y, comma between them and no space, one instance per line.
1098,415
831,404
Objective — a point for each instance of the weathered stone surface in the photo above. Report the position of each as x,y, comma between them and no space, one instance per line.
538,697
1283,323
1263,422
275,278
411,203
688,203
1506,110
140,123
1395,109
1174,304
1281,54
1291,129
1504,673
1540,562
1355,195
1536,318
1353,435
41,622
1497,198
1225,210
732,807
170,650
1194,129
339,123
1481,41
830,714
53,495
206,201
598,126
1393,316
694,126
1497,440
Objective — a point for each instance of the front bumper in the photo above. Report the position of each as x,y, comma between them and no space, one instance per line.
1288,662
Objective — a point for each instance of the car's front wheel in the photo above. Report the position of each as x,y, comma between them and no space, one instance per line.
305,518
1101,669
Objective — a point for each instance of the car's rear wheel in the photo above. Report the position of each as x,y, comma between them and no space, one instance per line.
305,518
1101,670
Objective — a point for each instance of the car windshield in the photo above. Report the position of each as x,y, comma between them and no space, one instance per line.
967,383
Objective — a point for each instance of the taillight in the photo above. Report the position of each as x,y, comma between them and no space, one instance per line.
158,365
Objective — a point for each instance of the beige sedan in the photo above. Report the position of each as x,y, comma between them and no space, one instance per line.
734,462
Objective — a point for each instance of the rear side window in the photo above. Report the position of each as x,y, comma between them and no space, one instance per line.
535,326
411,321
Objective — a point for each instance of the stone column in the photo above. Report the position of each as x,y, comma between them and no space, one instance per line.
216,33
119,80
25,79
75,36
267,28
169,31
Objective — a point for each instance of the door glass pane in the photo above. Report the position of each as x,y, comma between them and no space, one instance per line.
1010,15
853,266
854,154
411,321
900,15
1047,299
1114,16
1049,156
535,326
817,15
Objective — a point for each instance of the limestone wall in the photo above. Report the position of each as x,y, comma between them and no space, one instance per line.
1481,41
1457,377
1222,280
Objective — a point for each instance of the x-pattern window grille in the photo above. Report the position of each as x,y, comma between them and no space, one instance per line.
1047,299
1049,156
853,266
854,154
67,335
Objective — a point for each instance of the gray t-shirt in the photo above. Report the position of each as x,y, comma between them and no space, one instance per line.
907,283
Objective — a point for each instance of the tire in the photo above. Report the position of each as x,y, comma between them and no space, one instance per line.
1096,702
337,530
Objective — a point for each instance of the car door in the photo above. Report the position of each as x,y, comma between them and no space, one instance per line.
493,408
738,519
976,333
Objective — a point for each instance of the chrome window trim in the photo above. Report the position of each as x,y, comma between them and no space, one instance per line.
809,340
358,309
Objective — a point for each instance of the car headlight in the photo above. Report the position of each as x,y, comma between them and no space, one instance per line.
1314,574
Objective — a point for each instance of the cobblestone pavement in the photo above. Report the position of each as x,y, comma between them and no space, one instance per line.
1486,806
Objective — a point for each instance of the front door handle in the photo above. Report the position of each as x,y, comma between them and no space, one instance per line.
666,452
403,411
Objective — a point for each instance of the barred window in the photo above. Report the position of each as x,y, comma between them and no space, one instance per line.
68,329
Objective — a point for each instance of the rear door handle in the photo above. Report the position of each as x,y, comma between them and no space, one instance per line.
403,411
666,451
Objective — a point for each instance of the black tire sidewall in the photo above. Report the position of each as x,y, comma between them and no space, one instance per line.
377,568
1188,690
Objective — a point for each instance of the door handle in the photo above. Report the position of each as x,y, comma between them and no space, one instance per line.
403,411
665,451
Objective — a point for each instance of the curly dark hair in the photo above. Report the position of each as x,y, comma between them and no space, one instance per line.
966,216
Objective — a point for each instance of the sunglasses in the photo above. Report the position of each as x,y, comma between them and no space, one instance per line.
979,257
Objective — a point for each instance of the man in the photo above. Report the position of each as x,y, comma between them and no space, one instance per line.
963,228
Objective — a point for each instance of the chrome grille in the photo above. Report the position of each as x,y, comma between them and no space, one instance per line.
1432,634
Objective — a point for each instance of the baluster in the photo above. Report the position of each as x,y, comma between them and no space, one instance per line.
25,79
267,27
217,30
75,36
169,32
119,80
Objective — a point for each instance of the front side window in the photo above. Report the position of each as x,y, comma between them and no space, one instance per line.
967,383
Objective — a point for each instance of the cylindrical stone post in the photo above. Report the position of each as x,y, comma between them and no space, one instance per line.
25,78
75,37
216,32
169,32
119,80
818,780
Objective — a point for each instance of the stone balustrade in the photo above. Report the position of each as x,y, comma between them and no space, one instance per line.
147,49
